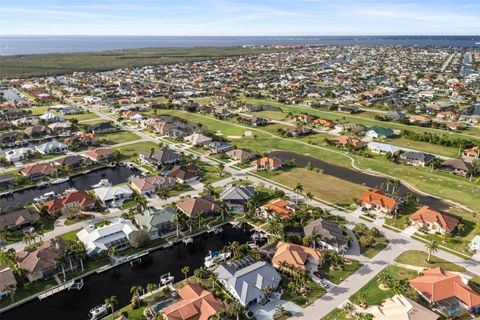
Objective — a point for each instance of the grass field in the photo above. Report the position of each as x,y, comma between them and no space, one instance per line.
337,276
419,259
330,189
424,146
119,137
375,295
61,63
82,116
380,243
130,150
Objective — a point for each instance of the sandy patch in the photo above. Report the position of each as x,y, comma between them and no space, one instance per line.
234,137
218,133
247,133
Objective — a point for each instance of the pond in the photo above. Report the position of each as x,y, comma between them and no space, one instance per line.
355,176
75,305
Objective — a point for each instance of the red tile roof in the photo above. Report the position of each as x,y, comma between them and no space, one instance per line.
436,285
81,197
280,207
377,198
426,214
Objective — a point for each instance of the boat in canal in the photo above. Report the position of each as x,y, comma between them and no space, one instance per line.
59,180
43,184
98,312
102,183
44,197
166,279
215,257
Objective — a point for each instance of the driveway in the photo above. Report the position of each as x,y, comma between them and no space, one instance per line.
267,311
410,231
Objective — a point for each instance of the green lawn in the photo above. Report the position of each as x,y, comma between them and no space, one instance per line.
419,259
23,293
72,235
424,146
130,150
38,110
119,137
315,292
337,276
375,295
211,175
82,116
380,243
336,314
401,221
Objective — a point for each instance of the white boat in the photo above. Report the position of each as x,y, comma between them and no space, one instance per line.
45,197
6,193
69,190
102,183
252,244
60,180
42,184
259,236
166,279
216,257
98,312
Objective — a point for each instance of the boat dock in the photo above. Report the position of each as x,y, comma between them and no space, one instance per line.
133,259
68,285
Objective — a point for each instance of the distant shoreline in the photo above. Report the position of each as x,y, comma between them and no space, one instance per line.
26,45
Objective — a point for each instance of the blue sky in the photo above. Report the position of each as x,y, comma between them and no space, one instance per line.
236,18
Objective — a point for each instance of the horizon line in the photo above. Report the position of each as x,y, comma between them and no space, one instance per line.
238,36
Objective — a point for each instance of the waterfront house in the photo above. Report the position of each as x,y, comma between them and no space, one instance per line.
157,158
280,207
7,279
376,132
197,139
433,221
41,262
348,141
267,163
236,197
60,127
11,136
382,148
17,155
102,155
149,185
417,158
184,174
19,219
400,307
78,198
457,166
37,131
376,200
73,162
199,205
52,147
247,279
300,257
101,239
241,155
217,147
102,127
84,139
113,196
157,222
194,304
447,291
471,154
330,236
37,170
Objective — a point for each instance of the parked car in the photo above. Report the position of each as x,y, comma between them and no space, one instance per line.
318,274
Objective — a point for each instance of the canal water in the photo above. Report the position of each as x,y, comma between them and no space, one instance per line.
354,176
116,175
75,305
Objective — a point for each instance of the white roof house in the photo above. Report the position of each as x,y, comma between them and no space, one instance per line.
51,117
50,147
113,235
197,139
378,147
17,155
113,196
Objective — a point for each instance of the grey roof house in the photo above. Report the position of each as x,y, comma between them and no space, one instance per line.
246,279
157,222
159,157
236,197
417,158
331,237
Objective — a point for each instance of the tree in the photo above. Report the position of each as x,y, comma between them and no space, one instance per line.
185,271
135,291
348,308
460,227
111,303
431,246
308,197
385,279
298,190
234,308
11,289
139,239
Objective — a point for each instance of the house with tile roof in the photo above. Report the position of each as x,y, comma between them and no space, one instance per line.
434,221
448,291
241,155
37,170
100,155
400,307
157,222
236,197
300,257
457,166
347,141
195,304
197,139
185,174
280,207
417,158
194,206
247,279
376,200
149,185
7,278
41,262
267,163
19,218
329,235
471,154
158,158
78,198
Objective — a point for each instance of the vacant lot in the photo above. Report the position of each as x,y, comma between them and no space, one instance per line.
419,259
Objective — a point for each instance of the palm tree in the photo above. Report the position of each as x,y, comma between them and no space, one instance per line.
308,197
10,290
213,278
209,188
111,303
234,309
385,279
136,290
112,252
185,271
460,227
348,308
431,246
298,190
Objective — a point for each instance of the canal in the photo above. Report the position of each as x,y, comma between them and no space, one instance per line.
116,175
355,176
75,305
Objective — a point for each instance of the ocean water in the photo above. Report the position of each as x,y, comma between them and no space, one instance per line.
23,45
